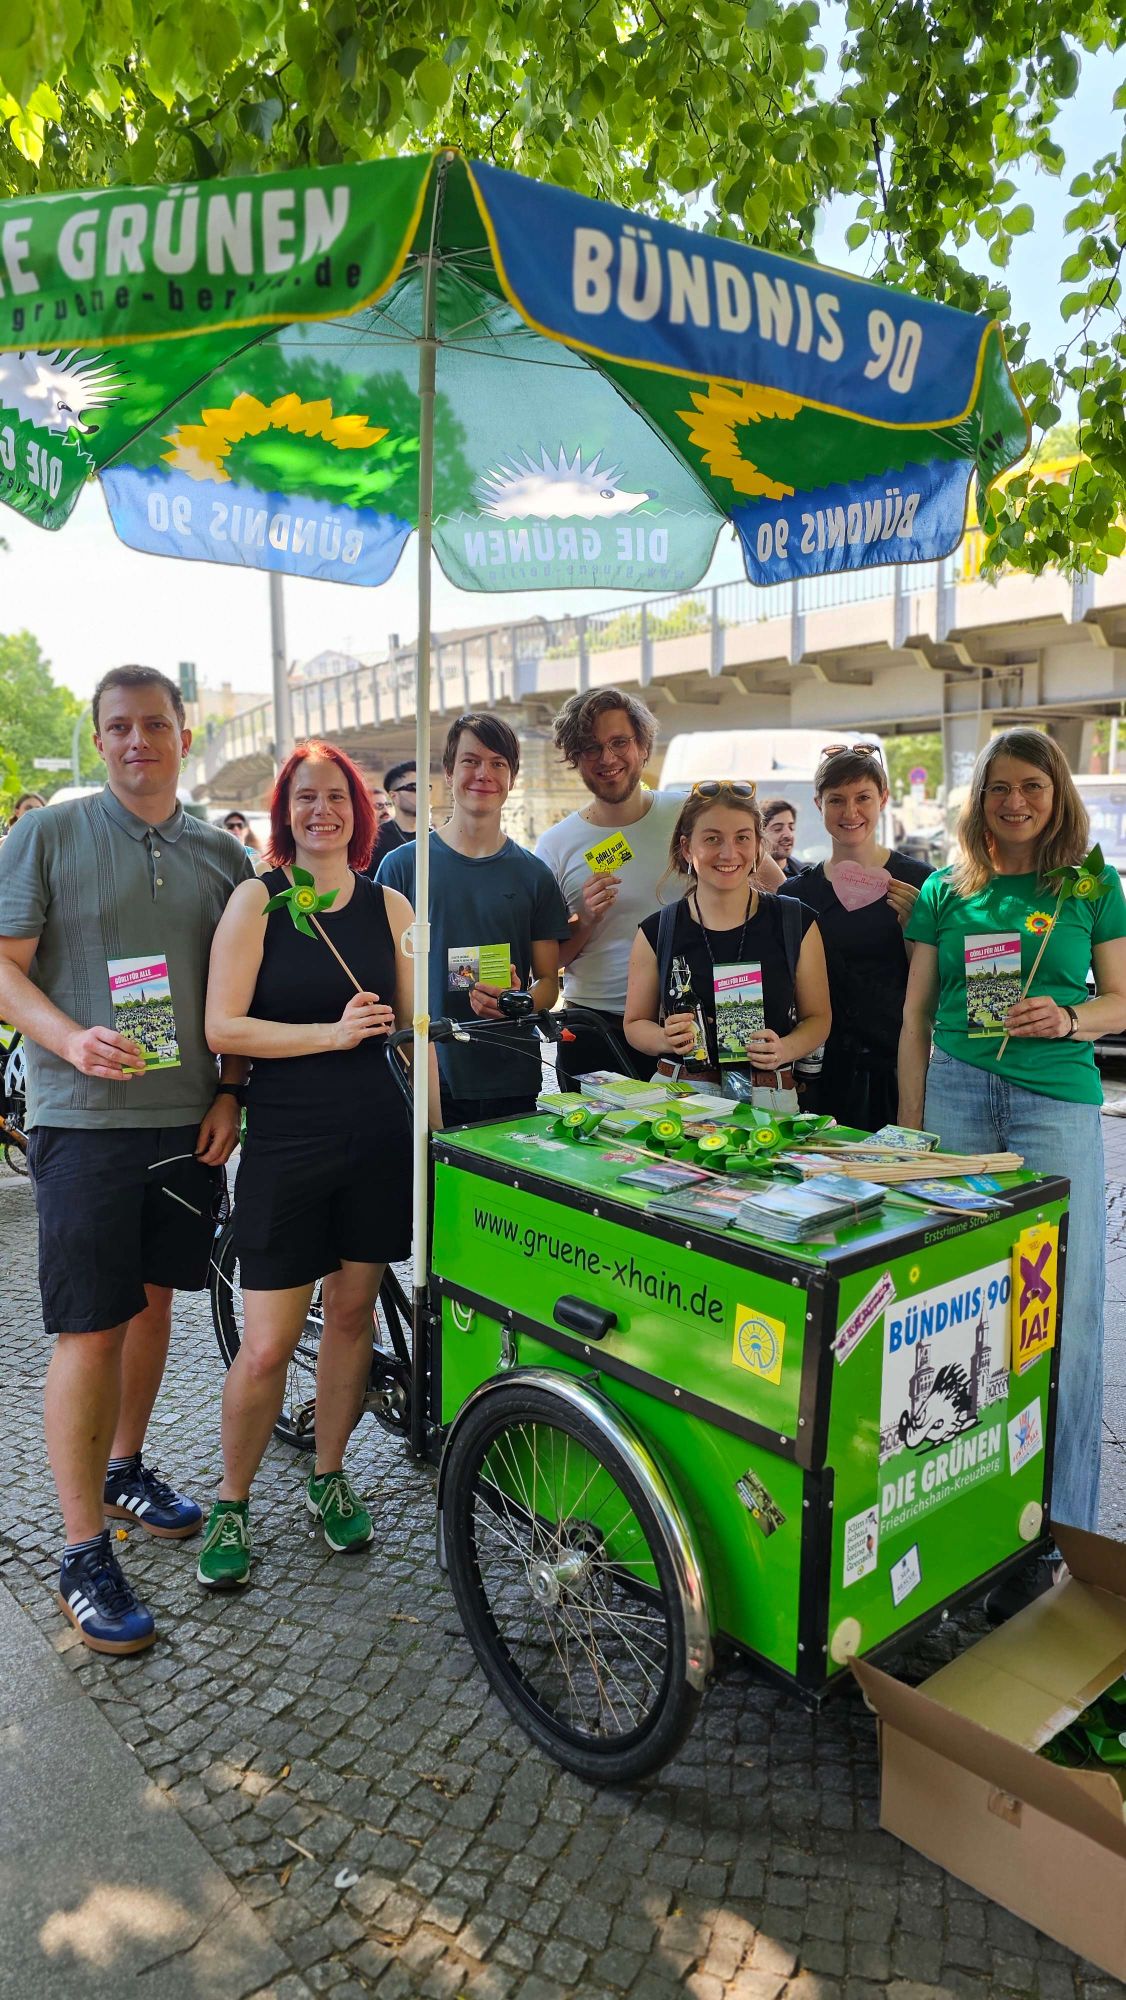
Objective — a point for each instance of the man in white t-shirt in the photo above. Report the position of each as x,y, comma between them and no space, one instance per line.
607,736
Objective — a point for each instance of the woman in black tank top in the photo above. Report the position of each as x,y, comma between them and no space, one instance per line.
324,1186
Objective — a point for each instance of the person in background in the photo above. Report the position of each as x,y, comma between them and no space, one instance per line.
862,931
237,823
1022,818
26,803
607,736
324,1188
724,920
388,835
125,1157
485,891
401,786
779,824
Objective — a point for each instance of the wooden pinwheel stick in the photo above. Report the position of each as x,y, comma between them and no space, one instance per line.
1035,963
322,933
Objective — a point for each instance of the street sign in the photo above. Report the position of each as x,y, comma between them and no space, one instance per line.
918,776
51,763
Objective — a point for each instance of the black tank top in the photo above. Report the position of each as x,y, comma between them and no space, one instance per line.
300,980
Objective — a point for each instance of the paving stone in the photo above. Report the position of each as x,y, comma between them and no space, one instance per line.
337,1706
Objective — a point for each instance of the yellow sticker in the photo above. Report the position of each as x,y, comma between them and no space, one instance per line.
759,1343
609,855
1035,1293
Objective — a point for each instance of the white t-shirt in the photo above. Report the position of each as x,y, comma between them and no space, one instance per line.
597,977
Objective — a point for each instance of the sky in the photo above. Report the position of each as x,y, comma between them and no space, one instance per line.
93,603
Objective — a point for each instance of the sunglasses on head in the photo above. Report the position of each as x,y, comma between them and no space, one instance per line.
713,788
860,749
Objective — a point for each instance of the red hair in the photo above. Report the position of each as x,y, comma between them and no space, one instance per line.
364,824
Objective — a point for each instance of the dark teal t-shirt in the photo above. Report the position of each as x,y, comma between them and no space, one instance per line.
508,898
1015,907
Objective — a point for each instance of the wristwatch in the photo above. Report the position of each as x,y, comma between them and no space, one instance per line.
1074,1028
235,1090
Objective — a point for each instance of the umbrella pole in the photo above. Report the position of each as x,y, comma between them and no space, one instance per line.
420,936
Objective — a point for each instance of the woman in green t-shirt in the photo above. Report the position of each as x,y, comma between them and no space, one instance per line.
977,928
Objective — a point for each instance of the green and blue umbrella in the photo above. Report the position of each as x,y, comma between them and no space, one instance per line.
294,372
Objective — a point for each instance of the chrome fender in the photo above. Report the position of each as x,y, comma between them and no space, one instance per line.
691,1577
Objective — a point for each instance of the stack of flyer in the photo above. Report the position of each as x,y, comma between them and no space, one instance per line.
791,1214
621,1093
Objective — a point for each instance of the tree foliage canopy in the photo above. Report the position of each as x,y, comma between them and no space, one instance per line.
930,114
37,719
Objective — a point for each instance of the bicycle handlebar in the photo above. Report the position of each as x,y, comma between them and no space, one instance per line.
551,1025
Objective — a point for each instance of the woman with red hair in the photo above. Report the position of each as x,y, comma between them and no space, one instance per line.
324,1187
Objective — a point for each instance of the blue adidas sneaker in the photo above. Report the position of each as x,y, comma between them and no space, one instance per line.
105,1612
138,1493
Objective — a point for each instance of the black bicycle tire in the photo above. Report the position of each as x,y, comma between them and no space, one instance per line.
650,1748
221,1281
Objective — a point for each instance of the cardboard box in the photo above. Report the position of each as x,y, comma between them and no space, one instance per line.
960,1778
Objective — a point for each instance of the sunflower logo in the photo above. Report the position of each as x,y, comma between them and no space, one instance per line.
1086,887
201,450
714,423
1039,922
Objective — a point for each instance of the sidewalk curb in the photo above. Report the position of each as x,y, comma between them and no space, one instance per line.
101,1880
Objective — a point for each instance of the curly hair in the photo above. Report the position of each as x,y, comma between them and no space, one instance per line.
1064,840
574,725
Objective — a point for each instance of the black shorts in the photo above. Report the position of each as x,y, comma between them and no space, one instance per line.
308,1200
119,1210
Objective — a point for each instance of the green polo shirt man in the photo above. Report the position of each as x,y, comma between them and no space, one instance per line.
108,905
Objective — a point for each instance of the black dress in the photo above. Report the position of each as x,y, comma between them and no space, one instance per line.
867,965
325,1174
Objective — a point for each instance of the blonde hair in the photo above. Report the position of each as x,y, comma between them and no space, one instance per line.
1064,840
694,808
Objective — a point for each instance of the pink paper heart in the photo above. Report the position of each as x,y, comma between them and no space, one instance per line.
857,887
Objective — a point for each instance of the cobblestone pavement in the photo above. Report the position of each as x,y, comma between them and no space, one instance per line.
329,1738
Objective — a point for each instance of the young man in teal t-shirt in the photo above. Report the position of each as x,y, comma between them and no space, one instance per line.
496,920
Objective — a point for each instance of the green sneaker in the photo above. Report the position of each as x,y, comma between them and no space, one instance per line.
224,1559
344,1518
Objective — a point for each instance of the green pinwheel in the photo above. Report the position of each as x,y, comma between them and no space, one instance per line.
1083,881
302,902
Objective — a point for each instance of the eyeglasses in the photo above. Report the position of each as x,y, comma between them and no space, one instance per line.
403,788
711,788
618,746
235,825
1035,790
860,749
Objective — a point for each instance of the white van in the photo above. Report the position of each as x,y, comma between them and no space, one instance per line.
1105,800
781,763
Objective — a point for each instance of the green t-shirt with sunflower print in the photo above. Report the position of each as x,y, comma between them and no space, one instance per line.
1022,904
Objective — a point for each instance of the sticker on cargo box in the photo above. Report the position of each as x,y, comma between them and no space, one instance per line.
1026,1436
945,1384
906,1575
759,1343
861,1545
1035,1260
866,1314
758,1503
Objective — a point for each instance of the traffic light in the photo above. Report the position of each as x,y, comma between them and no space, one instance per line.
188,680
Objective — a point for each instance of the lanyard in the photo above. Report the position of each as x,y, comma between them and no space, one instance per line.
707,940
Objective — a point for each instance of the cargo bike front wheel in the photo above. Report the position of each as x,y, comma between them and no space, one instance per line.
575,1576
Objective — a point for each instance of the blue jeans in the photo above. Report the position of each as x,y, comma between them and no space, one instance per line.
974,1111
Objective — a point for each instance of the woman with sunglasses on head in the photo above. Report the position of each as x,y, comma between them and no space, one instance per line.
1022,819
861,918
723,921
